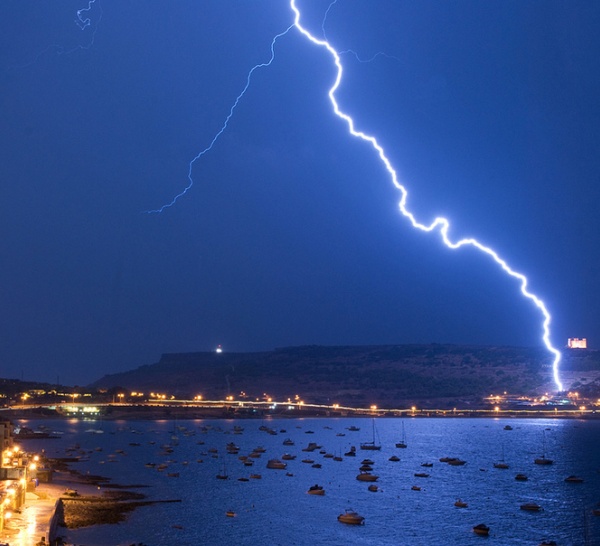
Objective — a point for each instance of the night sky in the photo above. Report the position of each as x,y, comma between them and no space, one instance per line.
291,235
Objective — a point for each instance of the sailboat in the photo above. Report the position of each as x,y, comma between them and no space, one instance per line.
501,464
543,460
371,446
402,443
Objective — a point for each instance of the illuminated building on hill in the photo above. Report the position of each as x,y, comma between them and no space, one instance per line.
576,343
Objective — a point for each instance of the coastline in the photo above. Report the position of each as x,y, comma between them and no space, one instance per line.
186,412
71,501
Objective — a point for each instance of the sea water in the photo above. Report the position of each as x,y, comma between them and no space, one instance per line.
276,509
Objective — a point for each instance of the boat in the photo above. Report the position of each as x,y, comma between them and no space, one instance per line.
367,477
353,428
501,464
316,465
394,458
255,476
351,518
482,529
521,478
447,459
574,479
316,490
421,475
460,504
371,446
427,465
276,464
288,457
402,442
373,488
367,461
543,460
548,543
530,507
351,453
456,462
415,488
288,442
366,468
507,427
230,514
312,446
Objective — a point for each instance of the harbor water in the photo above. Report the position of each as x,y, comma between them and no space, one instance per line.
271,506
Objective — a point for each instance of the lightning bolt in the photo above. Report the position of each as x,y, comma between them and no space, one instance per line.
83,21
225,124
439,224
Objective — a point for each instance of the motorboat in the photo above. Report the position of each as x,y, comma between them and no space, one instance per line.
531,507
288,457
457,462
421,475
482,529
521,478
460,503
373,488
394,458
367,477
276,464
574,479
288,442
316,490
351,518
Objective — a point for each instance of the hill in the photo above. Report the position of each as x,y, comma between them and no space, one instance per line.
388,376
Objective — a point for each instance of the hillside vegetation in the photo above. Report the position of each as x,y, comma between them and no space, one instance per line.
389,376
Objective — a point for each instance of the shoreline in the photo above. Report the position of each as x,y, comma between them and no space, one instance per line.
178,412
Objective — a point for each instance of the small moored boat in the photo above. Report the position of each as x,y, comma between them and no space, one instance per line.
316,490
531,507
482,529
351,518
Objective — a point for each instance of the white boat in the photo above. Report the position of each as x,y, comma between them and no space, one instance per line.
351,518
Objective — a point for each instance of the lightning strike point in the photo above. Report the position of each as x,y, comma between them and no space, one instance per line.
439,224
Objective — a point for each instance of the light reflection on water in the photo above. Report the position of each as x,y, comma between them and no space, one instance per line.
277,510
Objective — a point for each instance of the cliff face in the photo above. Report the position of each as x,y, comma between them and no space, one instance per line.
389,376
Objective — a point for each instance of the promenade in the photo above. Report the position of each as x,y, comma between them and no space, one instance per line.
27,527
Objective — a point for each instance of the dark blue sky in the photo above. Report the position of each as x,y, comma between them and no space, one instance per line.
291,233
